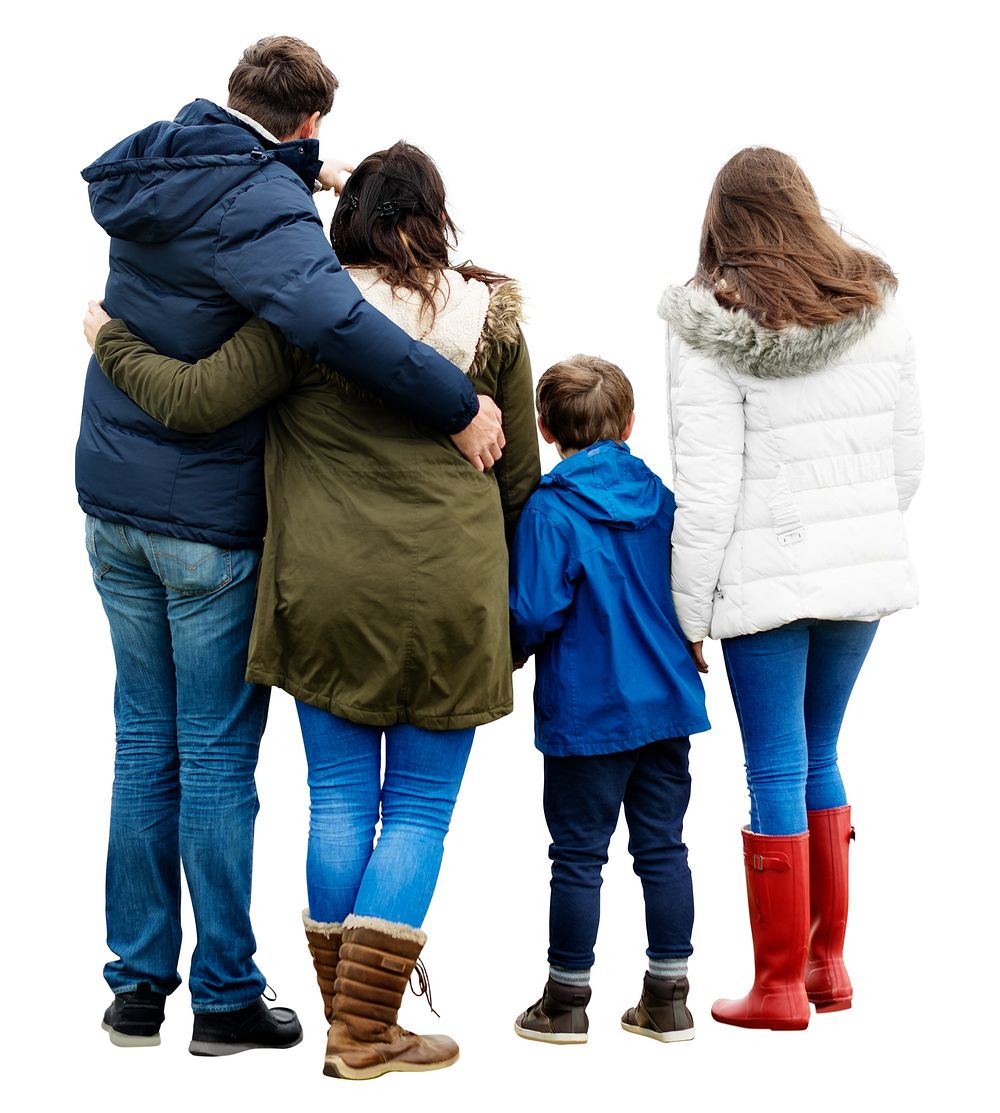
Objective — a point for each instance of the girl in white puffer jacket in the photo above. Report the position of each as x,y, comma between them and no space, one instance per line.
795,424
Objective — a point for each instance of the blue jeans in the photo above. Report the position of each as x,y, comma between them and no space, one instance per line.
188,729
395,879
790,687
583,799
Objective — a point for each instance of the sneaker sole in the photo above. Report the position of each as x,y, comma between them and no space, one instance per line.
214,1050
335,1067
550,1037
681,1036
123,1039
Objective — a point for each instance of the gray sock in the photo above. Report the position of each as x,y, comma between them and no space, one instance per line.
673,968
569,977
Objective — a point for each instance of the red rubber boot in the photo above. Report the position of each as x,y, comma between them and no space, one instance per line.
827,983
777,870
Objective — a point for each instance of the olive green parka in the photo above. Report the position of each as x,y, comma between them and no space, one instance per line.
383,584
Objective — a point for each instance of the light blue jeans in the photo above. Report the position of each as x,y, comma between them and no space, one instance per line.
790,687
188,729
346,871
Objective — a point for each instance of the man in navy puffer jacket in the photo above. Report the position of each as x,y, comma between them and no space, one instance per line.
212,220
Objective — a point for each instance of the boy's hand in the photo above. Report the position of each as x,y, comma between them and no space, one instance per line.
699,658
520,664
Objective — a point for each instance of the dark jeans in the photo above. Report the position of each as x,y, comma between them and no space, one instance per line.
791,686
583,798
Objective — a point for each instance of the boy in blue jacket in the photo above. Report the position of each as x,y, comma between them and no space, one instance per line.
616,695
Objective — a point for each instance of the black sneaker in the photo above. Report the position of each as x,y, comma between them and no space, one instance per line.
244,1030
134,1019
662,1012
559,1016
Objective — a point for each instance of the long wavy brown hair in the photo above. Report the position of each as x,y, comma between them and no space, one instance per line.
767,248
392,217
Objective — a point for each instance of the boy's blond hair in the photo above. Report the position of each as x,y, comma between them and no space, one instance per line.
584,399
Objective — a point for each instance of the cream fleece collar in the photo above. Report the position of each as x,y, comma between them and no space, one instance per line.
462,305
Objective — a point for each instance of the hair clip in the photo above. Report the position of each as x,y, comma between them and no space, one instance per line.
352,203
387,208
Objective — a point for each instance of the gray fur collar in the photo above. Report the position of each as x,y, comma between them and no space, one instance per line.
733,337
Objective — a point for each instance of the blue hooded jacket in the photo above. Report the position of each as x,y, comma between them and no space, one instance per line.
590,596
210,224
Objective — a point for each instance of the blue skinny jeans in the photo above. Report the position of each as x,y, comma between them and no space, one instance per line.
790,687
346,870
188,728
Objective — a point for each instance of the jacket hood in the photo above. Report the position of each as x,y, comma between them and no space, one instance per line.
158,182
733,337
606,483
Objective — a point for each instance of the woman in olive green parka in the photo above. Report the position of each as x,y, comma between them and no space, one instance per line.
382,603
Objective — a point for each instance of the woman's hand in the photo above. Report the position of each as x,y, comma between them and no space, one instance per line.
699,658
93,321
333,174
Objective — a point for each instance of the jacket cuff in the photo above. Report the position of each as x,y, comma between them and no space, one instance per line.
465,416
109,332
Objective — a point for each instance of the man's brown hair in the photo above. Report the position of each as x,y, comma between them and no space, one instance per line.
278,82
584,399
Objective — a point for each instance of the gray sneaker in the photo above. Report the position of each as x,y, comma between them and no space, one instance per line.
662,1012
559,1016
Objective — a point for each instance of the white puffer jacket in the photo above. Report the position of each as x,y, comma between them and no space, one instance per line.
795,452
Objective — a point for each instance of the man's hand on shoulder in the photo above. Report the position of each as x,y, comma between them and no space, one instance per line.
482,440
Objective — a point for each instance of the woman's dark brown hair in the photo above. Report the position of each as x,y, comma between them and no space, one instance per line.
766,247
392,217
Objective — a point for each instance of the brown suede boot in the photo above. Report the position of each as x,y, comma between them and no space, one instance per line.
827,983
377,958
662,1012
324,946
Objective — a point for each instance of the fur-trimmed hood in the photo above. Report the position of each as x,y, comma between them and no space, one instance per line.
733,337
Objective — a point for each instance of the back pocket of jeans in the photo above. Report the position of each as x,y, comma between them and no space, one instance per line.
191,567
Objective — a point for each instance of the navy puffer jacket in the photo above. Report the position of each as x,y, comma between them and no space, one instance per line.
211,224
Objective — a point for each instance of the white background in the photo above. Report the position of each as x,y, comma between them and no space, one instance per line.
578,142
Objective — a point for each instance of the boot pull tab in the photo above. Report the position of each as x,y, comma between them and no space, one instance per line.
760,862
851,837
423,985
